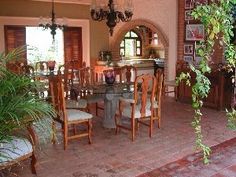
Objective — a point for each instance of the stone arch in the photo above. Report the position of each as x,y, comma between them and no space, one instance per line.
118,36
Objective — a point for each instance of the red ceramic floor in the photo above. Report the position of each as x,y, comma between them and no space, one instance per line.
223,164
113,155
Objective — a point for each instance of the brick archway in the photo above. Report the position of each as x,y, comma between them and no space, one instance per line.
118,36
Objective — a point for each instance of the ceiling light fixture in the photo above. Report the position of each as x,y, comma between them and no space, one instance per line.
51,23
111,14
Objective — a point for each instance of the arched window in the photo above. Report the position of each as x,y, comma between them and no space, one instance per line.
131,45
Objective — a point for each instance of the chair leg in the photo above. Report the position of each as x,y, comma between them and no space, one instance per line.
90,131
33,163
53,132
151,127
138,125
155,116
175,92
159,118
117,126
96,109
133,128
165,90
65,136
88,108
74,129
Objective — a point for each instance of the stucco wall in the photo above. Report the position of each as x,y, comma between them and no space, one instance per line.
24,8
162,13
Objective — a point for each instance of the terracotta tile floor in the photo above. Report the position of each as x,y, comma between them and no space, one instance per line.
223,164
115,155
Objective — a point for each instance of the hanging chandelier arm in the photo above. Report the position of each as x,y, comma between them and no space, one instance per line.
53,26
98,15
111,15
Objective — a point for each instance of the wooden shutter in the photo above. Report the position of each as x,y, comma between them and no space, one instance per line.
15,36
73,46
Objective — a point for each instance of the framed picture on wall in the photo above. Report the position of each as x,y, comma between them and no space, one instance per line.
197,48
188,15
201,2
188,59
194,32
189,4
188,49
197,60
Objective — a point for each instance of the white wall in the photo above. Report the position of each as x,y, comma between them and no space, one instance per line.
164,14
34,22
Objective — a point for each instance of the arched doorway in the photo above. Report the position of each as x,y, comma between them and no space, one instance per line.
118,36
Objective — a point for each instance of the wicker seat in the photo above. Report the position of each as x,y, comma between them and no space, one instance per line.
17,150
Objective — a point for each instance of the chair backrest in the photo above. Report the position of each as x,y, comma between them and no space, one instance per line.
69,77
99,73
125,73
143,85
128,73
160,83
41,66
57,94
27,70
86,76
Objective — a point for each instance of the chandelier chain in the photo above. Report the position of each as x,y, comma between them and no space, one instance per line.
53,26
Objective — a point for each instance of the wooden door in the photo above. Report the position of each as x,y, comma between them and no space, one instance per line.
15,36
73,46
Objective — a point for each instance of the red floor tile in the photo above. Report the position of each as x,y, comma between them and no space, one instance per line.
116,155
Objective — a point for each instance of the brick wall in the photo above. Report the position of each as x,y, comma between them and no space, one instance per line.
181,28
217,56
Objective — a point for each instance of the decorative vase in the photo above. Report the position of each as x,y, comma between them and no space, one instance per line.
110,77
110,80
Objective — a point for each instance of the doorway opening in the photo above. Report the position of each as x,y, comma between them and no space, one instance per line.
41,47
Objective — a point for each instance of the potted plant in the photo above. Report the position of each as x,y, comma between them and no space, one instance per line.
20,105
218,18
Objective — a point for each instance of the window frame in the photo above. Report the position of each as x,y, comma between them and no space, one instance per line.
127,37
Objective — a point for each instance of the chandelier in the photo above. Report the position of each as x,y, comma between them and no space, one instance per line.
111,14
51,23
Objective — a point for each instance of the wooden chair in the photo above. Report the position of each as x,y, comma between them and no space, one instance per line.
17,150
172,83
87,78
27,70
41,66
69,118
128,73
158,98
69,77
141,107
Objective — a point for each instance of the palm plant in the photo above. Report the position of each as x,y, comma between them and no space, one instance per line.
20,104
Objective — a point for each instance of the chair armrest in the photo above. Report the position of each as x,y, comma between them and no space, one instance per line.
32,136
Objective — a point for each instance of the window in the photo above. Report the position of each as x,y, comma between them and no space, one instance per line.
40,45
131,45
67,48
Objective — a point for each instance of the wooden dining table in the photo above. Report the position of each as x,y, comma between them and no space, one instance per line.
110,94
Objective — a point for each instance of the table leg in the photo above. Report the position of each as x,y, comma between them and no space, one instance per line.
110,106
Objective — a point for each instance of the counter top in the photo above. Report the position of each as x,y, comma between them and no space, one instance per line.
139,63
